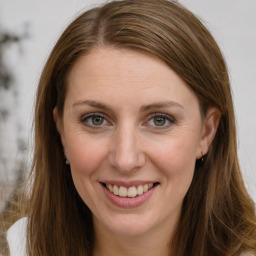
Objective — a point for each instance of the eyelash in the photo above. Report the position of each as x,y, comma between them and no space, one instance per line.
85,120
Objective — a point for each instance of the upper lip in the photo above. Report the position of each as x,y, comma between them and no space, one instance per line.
127,184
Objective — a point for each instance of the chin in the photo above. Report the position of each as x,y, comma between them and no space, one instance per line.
129,225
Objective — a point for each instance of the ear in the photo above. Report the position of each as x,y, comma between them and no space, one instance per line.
59,125
209,129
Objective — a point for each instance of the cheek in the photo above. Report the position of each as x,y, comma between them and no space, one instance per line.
177,164
85,159
176,160
86,155
178,151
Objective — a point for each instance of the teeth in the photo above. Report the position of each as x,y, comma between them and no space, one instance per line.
145,188
132,192
140,190
115,190
123,191
129,192
110,188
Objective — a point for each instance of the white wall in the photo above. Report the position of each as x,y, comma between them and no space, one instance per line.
232,23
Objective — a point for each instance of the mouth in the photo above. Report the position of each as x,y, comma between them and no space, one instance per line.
129,192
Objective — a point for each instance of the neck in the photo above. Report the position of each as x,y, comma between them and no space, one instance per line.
153,243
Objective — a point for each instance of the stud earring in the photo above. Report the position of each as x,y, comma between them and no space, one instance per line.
202,157
67,160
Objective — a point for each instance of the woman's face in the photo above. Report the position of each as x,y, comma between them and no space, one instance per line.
132,130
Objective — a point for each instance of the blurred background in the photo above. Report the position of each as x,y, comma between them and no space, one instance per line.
28,31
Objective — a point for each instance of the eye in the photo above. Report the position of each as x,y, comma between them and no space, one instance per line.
160,120
94,120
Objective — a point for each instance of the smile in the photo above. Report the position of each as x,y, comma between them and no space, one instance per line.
132,191
129,194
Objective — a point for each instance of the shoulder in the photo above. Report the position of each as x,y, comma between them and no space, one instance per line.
247,254
16,237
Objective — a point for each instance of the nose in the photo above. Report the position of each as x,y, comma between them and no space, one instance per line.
126,153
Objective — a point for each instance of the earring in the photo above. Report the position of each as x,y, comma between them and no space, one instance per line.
67,160
202,157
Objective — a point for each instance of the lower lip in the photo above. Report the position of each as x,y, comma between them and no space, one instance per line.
128,202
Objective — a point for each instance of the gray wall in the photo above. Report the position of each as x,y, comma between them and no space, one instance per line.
231,22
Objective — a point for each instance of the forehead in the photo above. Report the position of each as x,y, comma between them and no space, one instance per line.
125,74
124,63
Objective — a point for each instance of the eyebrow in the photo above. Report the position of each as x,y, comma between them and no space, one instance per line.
91,103
164,104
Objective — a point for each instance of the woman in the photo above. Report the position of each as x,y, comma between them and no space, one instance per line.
135,140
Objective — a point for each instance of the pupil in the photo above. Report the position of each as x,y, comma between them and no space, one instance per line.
97,120
159,121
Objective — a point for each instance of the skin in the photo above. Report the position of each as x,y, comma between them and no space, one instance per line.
129,90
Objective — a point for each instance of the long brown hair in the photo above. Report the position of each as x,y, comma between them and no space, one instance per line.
218,215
